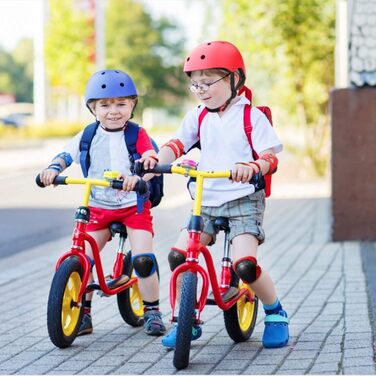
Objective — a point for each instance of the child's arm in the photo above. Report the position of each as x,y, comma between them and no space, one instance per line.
168,153
57,165
266,163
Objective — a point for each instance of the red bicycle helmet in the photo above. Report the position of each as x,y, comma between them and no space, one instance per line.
217,54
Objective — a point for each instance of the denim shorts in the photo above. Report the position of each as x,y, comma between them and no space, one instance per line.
245,216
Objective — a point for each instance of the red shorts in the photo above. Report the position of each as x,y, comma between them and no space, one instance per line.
101,218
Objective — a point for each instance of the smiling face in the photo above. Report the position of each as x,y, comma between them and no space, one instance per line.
113,113
218,93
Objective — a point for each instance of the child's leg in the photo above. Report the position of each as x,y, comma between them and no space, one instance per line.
101,237
276,332
246,245
146,268
142,243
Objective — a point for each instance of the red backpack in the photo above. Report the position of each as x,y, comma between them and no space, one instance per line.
247,129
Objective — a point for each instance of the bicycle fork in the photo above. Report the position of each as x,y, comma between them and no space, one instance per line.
225,278
117,270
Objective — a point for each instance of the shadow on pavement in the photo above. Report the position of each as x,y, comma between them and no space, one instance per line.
23,228
368,250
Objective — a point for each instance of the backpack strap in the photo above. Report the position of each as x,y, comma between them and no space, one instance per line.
85,142
130,137
203,113
248,128
247,92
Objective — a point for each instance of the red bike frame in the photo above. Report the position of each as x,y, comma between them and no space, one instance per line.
194,249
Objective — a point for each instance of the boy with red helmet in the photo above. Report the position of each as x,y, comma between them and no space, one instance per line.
111,96
217,74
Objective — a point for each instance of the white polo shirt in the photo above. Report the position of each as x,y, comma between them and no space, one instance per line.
223,143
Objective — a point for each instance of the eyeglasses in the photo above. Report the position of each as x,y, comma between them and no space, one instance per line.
195,88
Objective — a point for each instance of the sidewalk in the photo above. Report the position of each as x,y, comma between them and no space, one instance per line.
320,283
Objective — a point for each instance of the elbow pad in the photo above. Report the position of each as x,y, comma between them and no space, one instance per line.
273,162
66,157
176,146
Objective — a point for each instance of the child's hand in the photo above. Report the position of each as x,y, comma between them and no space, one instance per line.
148,162
129,181
242,173
47,176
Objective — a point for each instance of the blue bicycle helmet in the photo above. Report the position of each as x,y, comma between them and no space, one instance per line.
109,83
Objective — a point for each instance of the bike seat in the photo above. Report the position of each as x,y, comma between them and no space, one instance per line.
118,228
221,223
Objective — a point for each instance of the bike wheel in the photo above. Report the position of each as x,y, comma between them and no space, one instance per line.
63,314
240,319
129,301
186,313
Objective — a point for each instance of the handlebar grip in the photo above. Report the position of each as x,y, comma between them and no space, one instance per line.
39,182
59,180
258,181
141,186
117,184
158,169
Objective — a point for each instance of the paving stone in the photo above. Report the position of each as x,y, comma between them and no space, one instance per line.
367,370
324,367
259,370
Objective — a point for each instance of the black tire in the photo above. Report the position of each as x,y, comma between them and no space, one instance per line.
240,319
63,314
129,301
186,312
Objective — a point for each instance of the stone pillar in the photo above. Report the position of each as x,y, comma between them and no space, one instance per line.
354,164
353,116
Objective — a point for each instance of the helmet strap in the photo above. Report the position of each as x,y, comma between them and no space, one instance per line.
113,129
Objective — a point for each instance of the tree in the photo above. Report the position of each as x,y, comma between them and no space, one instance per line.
149,50
69,47
291,43
16,74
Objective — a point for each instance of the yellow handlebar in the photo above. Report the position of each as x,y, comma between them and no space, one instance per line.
200,176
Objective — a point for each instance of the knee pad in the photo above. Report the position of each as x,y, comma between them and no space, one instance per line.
176,257
247,269
145,264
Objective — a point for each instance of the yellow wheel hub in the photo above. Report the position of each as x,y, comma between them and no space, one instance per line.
136,300
246,309
70,312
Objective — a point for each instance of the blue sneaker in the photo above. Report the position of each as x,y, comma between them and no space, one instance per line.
169,340
276,332
153,324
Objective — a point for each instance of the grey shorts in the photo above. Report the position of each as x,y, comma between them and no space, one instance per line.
245,216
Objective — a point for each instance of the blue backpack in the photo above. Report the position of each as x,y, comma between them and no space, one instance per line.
130,138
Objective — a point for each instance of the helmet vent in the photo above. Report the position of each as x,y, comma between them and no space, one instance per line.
202,57
188,58
121,84
103,86
103,73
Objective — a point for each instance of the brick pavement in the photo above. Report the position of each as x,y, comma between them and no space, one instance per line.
321,284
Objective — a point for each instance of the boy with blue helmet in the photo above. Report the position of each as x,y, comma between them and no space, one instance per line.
111,96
